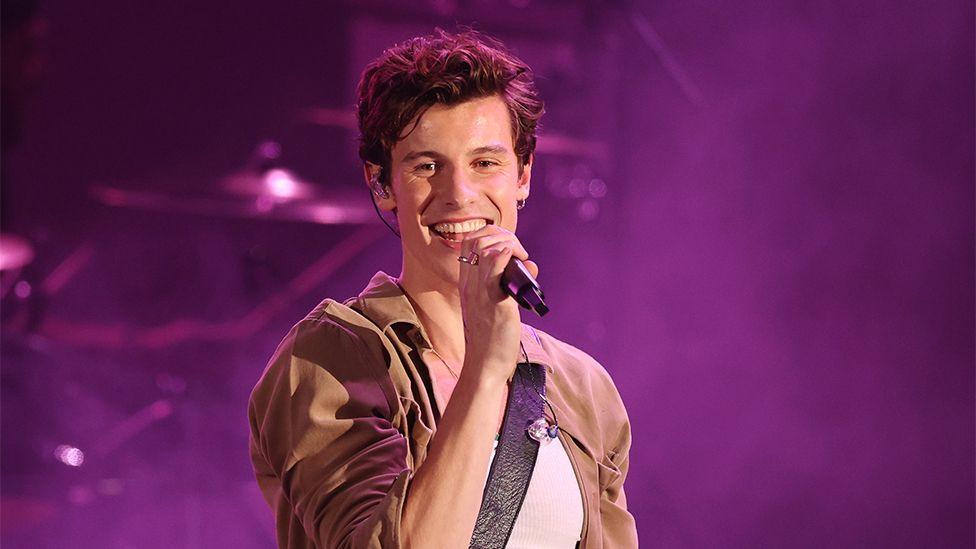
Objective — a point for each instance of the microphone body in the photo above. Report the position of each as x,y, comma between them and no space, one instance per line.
518,283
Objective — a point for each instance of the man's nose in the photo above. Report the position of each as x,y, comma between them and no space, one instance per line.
460,189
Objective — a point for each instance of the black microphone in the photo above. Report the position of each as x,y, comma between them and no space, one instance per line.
518,283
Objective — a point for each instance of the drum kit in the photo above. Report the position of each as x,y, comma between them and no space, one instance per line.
39,447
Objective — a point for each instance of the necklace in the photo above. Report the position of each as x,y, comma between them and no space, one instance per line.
412,304
457,377
446,365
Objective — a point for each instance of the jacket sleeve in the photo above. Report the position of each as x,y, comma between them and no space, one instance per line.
321,430
619,527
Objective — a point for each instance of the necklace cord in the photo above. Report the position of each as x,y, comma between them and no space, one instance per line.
555,420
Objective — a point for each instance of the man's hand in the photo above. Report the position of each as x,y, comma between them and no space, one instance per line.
491,317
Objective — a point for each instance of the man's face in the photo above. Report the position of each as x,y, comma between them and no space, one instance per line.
453,173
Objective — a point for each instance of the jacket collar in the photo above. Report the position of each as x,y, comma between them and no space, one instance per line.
383,301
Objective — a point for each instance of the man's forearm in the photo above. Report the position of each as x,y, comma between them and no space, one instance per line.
445,494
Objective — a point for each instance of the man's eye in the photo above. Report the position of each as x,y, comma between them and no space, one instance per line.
426,167
486,163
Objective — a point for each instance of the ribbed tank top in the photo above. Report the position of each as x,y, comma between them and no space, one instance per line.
552,513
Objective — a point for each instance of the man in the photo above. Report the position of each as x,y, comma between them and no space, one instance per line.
374,423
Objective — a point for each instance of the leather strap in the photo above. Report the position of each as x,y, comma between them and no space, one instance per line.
515,456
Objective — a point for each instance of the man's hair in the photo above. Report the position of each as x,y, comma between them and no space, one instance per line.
446,68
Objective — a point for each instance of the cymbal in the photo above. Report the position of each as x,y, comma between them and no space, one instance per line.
272,195
15,252
279,183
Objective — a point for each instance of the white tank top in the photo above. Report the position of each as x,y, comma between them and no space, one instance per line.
552,513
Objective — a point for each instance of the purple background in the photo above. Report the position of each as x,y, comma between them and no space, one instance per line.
779,274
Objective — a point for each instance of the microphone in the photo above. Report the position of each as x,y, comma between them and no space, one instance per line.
518,283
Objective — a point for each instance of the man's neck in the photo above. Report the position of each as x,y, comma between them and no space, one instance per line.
439,310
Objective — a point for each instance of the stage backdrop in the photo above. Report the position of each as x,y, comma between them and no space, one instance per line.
758,216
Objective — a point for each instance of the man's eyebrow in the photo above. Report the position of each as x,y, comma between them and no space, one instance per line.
413,155
489,149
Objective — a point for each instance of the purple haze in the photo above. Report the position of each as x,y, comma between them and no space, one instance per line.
758,216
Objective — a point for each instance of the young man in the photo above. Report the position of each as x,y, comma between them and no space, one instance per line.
374,423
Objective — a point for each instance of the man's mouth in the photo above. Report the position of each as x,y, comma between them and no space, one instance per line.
455,231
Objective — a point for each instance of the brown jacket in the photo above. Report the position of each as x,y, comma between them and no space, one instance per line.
343,414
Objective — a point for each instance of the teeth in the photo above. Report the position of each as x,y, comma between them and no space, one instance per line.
463,227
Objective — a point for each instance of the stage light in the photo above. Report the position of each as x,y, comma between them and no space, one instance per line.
281,184
69,455
22,289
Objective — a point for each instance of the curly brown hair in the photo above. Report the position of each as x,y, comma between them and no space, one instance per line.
446,68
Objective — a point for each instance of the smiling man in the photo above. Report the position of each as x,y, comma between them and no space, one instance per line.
377,421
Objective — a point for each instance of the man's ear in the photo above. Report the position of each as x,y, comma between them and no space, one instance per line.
525,180
382,194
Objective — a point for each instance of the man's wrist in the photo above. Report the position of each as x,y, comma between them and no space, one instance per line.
486,372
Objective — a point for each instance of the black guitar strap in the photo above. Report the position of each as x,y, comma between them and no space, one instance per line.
515,456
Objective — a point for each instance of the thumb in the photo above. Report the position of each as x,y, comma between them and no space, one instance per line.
532,267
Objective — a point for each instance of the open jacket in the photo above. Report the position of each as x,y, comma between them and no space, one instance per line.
344,414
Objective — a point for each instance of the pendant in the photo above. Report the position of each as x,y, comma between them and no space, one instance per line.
541,432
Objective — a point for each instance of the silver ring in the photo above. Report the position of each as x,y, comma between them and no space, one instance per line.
472,258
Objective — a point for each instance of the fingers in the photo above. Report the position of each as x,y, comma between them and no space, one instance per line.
465,269
488,271
467,247
491,266
495,247
489,241
490,235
